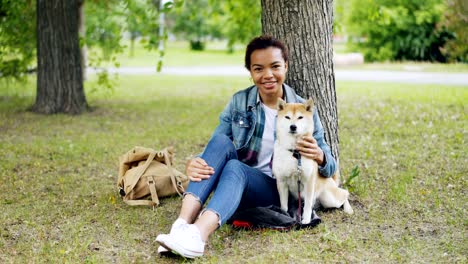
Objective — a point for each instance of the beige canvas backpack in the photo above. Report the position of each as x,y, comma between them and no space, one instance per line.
144,173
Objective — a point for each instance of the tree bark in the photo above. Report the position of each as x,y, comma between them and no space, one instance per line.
59,76
306,28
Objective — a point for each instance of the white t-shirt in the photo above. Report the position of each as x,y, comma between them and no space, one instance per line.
268,140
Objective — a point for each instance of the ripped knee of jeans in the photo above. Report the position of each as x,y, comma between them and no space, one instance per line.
193,195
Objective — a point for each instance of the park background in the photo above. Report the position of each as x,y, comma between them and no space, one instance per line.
402,140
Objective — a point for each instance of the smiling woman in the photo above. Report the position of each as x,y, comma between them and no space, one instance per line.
268,71
235,165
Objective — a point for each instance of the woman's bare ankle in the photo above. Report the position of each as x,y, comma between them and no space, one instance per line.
207,223
190,209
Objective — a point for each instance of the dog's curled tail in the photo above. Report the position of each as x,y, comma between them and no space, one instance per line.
337,176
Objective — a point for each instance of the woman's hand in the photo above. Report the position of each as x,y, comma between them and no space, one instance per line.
308,147
197,169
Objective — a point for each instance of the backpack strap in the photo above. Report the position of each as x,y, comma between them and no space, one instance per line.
141,171
175,183
140,202
179,182
154,194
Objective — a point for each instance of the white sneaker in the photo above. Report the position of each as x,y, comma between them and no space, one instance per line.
186,241
162,250
178,224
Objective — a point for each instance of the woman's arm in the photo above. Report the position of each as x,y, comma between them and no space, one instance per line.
225,120
317,149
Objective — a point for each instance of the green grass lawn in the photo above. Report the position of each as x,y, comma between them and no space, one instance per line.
60,204
178,54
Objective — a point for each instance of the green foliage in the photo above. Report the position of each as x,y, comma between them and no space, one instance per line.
235,20
191,22
241,20
197,45
17,37
398,30
138,18
456,20
107,21
103,36
141,19
340,8
105,24
348,183
104,29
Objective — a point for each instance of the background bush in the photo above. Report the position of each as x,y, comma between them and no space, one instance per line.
456,20
398,29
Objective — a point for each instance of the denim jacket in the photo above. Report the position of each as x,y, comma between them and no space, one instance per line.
238,119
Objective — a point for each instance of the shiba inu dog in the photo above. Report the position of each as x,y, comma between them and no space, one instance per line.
294,121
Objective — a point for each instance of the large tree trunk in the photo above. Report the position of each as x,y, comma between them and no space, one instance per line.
59,75
306,28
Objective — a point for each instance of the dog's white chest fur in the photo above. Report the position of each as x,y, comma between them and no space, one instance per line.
286,169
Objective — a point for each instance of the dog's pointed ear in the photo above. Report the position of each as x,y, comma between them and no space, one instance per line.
280,105
309,105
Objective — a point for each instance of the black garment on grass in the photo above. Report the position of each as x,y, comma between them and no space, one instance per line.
271,217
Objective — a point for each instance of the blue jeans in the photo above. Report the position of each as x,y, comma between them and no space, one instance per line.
235,184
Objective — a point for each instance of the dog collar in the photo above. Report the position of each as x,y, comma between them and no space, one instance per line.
295,153
297,156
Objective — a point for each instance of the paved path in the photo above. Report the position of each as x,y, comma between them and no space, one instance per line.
340,75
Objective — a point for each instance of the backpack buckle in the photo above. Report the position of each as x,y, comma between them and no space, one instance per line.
122,192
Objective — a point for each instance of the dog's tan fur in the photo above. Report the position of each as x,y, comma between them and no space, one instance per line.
299,117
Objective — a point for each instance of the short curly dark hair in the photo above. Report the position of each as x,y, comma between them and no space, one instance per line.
263,42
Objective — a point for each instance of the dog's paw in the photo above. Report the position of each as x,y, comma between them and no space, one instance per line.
347,208
305,220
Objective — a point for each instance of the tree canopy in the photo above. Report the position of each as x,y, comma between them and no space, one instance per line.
17,37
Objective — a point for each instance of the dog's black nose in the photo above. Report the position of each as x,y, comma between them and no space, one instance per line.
293,127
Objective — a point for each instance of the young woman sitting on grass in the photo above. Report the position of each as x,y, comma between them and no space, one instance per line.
235,165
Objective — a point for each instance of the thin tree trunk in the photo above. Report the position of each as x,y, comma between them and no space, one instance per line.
133,37
82,34
59,76
306,27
